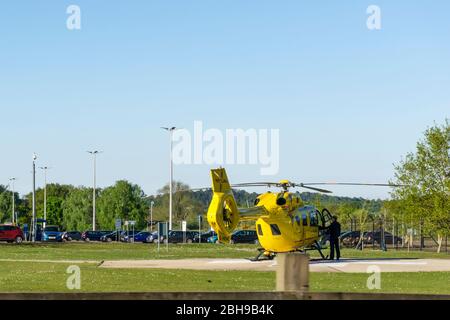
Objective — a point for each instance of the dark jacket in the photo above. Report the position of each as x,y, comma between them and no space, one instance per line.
335,230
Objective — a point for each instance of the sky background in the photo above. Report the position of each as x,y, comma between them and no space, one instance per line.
349,102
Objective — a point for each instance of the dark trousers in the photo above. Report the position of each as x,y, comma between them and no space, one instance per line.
334,245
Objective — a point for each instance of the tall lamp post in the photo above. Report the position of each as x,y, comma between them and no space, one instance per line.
33,223
170,130
45,193
13,200
94,156
151,215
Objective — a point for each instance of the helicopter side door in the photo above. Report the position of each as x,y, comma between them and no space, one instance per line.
308,221
325,218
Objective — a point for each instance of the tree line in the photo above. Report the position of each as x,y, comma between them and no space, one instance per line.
70,207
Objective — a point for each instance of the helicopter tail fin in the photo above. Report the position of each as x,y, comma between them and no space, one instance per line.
223,214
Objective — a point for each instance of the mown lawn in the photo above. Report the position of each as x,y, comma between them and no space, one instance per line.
138,251
50,277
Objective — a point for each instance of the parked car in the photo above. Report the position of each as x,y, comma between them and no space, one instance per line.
325,238
52,233
143,236
375,238
350,239
180,236
239,236
72,236
203,238
153,238
244,236
93,235
213,239
11,234
113,236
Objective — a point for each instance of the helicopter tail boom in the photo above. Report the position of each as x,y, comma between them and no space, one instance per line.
223,214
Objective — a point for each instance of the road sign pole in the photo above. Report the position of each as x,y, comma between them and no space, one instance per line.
167,236
159,235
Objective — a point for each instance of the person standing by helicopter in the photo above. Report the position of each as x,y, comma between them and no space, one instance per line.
335,232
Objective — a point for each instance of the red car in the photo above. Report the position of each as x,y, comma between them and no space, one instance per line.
11,234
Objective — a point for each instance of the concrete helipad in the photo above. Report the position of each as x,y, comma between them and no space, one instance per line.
346,265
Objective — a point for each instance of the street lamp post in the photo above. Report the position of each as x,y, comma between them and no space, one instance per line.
45,193
94,156
13,200
170,130
33,223
199,228
151,215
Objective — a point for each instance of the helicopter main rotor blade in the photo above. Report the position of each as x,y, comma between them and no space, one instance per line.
312,188
255,184
352,184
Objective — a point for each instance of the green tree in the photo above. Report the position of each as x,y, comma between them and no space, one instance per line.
122,201
425,179
77,210
6,204
186,204
56,194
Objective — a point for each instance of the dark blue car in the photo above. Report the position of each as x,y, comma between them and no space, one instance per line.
142,236
52,233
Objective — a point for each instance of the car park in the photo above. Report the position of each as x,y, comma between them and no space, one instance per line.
72,236
52,233
325,238
10,233
213,239
93,235
239,236
113,236
203,237
375,238
244,236
351,239
153,238
143,236
180,236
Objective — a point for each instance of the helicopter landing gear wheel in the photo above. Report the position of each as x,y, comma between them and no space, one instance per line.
263,255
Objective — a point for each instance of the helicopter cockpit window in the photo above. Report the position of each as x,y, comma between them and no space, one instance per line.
297,220
275,230
314,219
260,232
305,218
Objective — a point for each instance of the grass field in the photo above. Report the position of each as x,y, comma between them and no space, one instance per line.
29,275
48,277
139,251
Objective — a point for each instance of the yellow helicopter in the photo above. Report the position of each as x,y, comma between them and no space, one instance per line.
283,222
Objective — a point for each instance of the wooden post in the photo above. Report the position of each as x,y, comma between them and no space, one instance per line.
293,272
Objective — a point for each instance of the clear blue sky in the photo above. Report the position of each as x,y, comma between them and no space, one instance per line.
349,102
